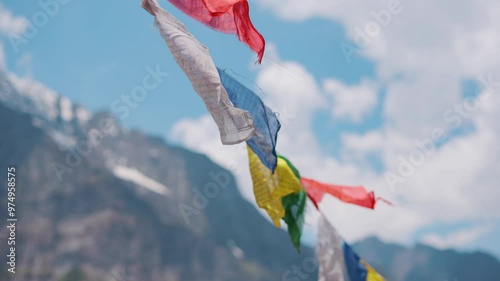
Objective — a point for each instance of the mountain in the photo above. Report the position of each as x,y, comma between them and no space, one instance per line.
96,201
421,262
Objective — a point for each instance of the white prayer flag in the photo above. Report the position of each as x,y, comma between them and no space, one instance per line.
329,252
235,125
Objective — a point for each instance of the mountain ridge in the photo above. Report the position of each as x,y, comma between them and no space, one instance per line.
78,212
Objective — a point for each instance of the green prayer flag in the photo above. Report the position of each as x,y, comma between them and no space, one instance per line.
294,205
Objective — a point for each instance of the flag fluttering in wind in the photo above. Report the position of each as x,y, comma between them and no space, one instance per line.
329,252
269,187
287,185
263,143
355,269
235,125
295,205
228,16
337,260
355,195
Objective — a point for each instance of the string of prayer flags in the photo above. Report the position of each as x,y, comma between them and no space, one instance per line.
241,116
235,125
269,187
354,195
263,143
228,16
337,260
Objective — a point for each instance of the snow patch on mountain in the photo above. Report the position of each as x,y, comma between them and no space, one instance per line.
66,109
135,176
64,141
83,115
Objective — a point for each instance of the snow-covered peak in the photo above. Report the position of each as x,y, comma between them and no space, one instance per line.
30,96
34,97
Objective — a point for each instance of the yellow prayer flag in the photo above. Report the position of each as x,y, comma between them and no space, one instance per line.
269,188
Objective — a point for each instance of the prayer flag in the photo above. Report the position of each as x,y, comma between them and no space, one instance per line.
263,143
235,125
228,16
295,205
355,195
270,187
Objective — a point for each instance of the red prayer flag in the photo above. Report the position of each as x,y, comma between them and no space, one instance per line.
219,6
355,195
228,16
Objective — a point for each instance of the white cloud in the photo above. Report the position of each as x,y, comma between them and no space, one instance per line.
202,135
288,85
457,239
351,102
369,142
387,222
10,24
430,55
358,148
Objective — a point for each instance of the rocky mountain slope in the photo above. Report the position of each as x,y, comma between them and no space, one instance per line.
96,201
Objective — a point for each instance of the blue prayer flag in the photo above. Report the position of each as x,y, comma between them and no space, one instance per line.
355,269
263,143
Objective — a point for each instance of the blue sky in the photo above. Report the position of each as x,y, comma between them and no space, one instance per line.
350,120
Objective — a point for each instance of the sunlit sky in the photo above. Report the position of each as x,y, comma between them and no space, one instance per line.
380,93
